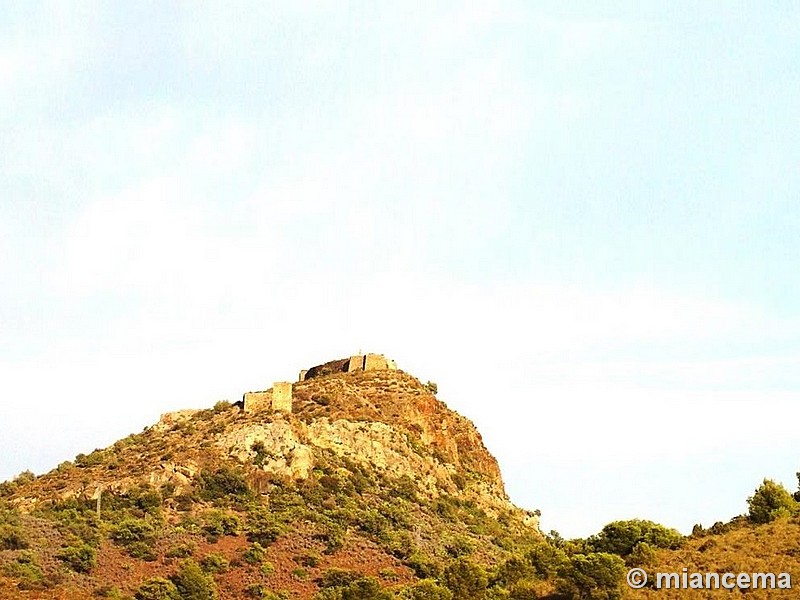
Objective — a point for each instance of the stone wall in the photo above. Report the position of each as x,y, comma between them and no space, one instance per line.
355,363
255,401
282,396
375,362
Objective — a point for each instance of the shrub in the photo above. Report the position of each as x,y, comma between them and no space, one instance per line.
359,588
262,454
225,482
332,578
465,579
11,537
28,574
307,560
217,522
137,536
157,589
25,477
770,501
221,406
431,387
259,590
142,551
423,565
192,583
215,563
621,537
597,575
427,589
255,554
263,527
132,530
180,551
643,554
90,460
146,499
80,557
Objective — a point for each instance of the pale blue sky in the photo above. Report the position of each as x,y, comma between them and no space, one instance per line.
581,222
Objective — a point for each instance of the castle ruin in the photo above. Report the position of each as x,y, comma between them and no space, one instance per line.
279,397
357,362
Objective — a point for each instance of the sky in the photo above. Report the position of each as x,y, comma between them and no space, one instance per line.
581,222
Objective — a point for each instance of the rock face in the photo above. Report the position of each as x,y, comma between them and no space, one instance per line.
385,418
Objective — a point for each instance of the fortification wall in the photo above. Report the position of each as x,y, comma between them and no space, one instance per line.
255,401
282,396
355,363
375,362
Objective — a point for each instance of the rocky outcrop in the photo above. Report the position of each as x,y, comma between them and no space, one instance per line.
384,419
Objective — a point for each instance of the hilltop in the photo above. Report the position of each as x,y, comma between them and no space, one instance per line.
353,483
363,470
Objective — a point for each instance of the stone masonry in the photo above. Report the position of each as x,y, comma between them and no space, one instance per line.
278,398
357,362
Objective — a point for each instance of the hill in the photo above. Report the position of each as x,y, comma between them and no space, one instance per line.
354,483
368,473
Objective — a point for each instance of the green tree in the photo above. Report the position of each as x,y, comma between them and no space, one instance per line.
79,557
157,589
770,501
621,537
225,482
427,589
595,576
465,579
193,584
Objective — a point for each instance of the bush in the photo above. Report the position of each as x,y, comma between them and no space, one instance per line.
89,460
225,482
11,537
597,575
427,589
310,560
132,530
80,557
360,588
621,537
180,551
215,563
221,406
217,522
263,527
259,590
255,554
465,579
28,574
193,584
770,501
157,589
137,536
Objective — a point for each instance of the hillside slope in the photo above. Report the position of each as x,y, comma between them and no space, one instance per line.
369,478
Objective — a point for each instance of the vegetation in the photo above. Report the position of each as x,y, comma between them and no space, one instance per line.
769,502
231,521
158,589
193,584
